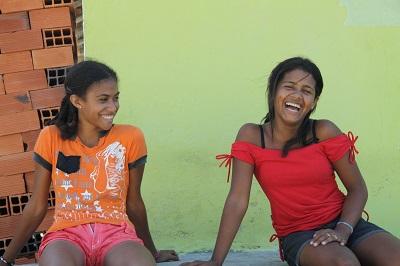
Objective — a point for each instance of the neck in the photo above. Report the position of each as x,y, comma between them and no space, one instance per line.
281,133
89,136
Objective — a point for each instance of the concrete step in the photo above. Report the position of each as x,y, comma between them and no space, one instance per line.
237,258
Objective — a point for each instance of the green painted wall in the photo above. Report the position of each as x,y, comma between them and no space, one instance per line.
192,72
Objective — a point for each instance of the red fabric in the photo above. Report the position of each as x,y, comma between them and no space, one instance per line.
301,187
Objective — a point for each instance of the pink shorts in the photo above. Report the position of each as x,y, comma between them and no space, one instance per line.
94,240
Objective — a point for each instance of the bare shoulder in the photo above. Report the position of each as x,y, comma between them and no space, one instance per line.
326,129
250,133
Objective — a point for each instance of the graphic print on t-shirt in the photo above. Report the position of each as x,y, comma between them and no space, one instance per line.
113,159
82,192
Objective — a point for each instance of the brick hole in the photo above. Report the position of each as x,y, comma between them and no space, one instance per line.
61,80
48,33
54,112
46,113
57,2
24,199
61,72
52,73
15,200
16,209
46,122
59,41
49,42
66,32
52,82
48,2
57,33
67,1
68,40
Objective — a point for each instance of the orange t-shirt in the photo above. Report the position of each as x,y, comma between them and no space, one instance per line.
91,184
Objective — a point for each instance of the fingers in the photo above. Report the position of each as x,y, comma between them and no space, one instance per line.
324,237
167,255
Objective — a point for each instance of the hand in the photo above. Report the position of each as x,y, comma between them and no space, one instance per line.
166,255
200,263
325,236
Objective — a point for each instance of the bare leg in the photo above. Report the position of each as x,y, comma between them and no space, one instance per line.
62,253
380,249
330,254
129,253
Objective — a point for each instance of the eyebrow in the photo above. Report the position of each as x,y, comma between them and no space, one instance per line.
294,83
107,95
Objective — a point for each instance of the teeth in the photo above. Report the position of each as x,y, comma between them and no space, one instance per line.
108,116
293,105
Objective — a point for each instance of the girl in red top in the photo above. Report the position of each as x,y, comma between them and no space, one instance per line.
96,170
294,160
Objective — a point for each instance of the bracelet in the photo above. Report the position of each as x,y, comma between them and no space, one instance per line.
346,224
6,262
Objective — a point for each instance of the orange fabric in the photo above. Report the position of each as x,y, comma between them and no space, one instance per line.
96,191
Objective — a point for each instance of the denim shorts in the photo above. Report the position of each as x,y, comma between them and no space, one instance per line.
294,243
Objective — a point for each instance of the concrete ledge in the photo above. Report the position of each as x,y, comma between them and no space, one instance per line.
239,258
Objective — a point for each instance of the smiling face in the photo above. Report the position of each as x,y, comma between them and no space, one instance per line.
295,97
99,106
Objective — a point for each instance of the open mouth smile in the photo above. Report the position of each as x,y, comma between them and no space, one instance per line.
293,107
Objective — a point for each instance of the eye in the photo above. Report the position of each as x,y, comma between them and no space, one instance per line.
103,100
288,87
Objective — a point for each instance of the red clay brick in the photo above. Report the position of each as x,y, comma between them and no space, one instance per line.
8,6
10,224
24,81
15,102
14,62
12,184
17,163
14,22
19,122
2,90
29,181
53,57
29,139
50,18
21,41
10,144
47,97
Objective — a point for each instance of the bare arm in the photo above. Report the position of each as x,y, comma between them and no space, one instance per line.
234,210
137,214
33,213
236,202
353,181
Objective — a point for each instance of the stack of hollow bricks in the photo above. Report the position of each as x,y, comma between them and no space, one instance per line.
36,47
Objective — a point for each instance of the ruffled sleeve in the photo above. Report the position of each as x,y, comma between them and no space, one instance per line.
240,150
335,148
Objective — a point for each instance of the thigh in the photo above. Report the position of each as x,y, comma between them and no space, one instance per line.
380,249
330,254
62,252
128,253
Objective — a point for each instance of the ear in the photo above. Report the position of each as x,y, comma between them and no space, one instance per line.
76,101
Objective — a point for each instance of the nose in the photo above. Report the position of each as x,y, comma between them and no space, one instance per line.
113,105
